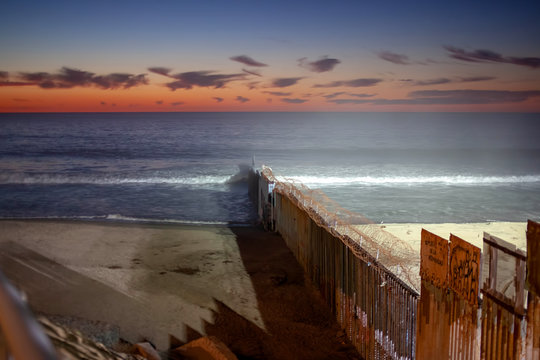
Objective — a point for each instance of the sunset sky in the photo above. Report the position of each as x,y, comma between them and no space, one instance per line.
269,56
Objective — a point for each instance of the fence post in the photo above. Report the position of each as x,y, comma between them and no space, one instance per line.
533,282
433,315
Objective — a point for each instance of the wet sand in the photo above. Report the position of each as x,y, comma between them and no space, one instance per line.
171,284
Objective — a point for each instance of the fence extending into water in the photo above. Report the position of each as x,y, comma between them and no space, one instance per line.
370,285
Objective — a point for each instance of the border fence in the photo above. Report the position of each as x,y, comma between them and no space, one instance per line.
472,304
375,307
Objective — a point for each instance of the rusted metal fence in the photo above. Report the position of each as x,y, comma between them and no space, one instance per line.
448,309
472,302
375,308
503,310
532,347
451,321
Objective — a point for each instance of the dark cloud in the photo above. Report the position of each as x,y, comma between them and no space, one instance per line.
160,70
350,83
361,95
16,83
20,100
476,78
438,81
218,99
103,103
277,93
68,78
188,80
4,75
246,60
177,103
242,99
159,102
321,65
472,96
252,72
120,80
284,82
333,95
491,56
293,101
441,81
349,101
399,59
252,85
450,97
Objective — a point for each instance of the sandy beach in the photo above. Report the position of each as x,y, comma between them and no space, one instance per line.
513,232
171,284
410,234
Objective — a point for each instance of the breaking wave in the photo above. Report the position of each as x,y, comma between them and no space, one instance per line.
126,219
459,180
110,180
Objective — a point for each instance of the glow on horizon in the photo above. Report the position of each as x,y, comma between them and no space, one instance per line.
186,56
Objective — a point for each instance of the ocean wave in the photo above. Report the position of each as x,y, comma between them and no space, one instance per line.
412,180
41,179
127,219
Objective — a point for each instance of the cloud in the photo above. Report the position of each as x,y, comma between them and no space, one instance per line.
252,72
160,70
242,99
68,78
333,95
16,83
476,78
177,103
293,101
392,57
187,80
118,80
321,65
472,96
491,56
350,83
159,102
361,95
441,81
438,81
246,60
218,99
349,101
252,85
450,97
284,82
4,75
277,93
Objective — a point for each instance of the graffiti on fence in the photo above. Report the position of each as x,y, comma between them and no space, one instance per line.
464,269
434,259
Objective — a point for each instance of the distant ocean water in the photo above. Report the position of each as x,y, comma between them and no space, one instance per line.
184,167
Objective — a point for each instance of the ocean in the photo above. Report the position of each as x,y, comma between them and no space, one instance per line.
190,167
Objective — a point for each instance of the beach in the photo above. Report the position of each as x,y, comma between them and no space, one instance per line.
408,247
170,284
513,232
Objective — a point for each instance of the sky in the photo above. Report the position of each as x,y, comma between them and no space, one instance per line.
68,56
